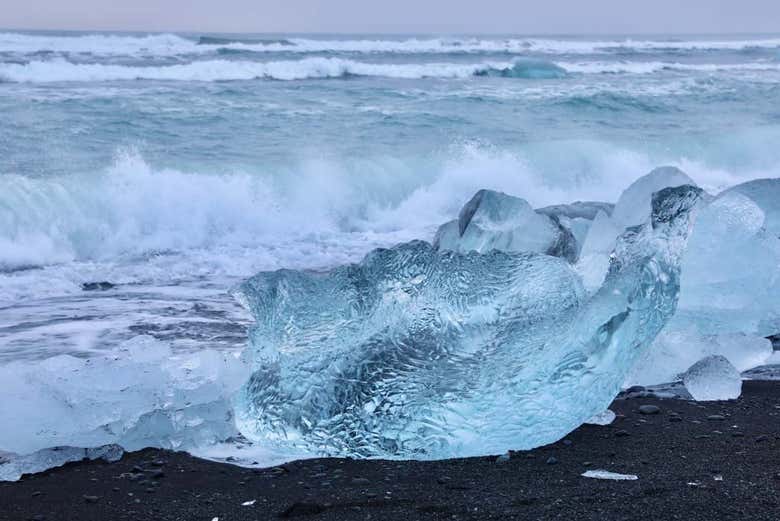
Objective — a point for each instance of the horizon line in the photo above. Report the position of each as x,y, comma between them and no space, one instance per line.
389,33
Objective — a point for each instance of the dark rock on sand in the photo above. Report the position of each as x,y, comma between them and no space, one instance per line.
649,409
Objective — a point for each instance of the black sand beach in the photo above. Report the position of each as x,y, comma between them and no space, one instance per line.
708,461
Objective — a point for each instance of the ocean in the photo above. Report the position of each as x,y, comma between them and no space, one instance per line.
174,166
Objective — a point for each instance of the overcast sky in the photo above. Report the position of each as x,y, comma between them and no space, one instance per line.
405,16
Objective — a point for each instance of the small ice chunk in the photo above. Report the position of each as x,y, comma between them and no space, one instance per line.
605,474
677,347
497,221
248,503
603,418
713,378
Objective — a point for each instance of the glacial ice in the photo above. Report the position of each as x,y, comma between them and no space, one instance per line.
597,247
605,474
140,395
713,378
578,216
678,347
632,209
633,206
419,353
731,271
497,221
766,194
13,466
605,417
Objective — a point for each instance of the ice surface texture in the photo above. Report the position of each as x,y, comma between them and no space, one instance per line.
766,194
497,221
139,396
713,378
419,353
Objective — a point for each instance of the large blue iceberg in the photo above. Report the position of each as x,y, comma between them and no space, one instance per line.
421,353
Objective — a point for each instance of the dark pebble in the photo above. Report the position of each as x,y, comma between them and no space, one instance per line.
738,434
622,433
91,499
716,417
360,481
97,286
675,418
649,409
636,389
761,438
303,509
36,493
552,460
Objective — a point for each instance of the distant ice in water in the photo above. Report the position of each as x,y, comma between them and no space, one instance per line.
713,378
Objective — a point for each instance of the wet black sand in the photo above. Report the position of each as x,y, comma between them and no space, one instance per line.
713,461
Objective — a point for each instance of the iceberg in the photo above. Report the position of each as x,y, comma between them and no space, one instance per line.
497,221
713,378
421,353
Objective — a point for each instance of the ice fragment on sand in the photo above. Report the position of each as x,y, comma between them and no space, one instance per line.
675,350
603,418
713,378
138,396
12,466
605,474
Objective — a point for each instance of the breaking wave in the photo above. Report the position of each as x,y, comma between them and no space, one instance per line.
307,68
172,44
60,70
132,209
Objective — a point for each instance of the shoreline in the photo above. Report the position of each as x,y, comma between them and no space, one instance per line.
694,460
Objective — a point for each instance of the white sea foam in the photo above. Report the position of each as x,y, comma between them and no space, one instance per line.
60,70
172,44
318,213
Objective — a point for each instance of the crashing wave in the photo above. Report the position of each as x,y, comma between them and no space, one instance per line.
308,68
423,354
169,44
